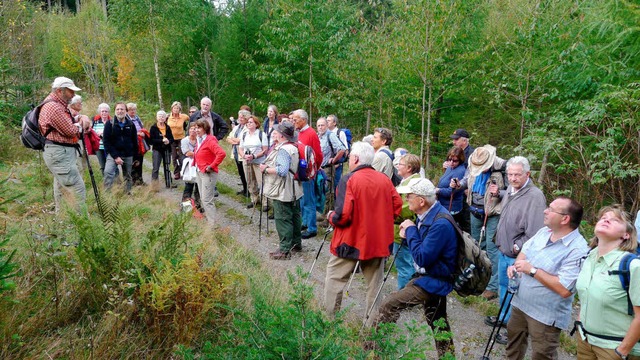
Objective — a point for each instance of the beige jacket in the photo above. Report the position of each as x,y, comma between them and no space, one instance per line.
282,188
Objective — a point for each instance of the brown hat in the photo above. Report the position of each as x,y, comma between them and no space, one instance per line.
460,133
482,159
286,129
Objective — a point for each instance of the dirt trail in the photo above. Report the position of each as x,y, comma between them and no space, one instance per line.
469,331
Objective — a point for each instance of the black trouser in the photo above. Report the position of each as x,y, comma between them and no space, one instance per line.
243,178
463,217
176,157
136,170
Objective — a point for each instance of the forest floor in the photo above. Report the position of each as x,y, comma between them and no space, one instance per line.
470,334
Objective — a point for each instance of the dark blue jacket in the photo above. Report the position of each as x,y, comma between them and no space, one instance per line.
444,194
120,141
435,248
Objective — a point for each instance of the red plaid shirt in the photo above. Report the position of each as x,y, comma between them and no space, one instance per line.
54,115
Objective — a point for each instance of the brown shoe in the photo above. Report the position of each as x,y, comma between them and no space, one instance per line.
279,255
489,295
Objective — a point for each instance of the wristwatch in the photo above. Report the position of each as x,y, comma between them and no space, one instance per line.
533,272
623,357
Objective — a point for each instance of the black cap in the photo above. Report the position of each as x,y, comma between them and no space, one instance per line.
460,133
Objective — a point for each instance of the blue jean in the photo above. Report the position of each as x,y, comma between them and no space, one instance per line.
505,262
488,245
404,264
337,176
111,171
308,206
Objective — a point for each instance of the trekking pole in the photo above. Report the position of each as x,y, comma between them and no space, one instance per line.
492,339
93,180
254,206
167,175
375,299
355,268
483,229
329,231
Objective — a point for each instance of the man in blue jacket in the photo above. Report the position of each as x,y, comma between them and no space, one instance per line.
433,244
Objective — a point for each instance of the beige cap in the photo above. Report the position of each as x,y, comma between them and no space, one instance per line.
419,186
63,82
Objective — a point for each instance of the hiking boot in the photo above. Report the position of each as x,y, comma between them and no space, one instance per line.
296,248
491,321
279,255
308,234
489,295
502,339
250,205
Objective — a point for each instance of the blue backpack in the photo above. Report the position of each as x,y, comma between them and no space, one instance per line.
625,276
349,137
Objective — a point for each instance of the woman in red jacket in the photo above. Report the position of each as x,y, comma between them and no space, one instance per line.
208,156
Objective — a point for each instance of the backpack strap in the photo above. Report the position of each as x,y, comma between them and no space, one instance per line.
389,154
625,277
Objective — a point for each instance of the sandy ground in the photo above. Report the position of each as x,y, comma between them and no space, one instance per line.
470,334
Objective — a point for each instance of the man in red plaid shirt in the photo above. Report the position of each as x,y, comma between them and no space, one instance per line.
61,148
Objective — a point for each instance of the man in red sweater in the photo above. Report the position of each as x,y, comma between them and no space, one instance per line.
309,137
366,206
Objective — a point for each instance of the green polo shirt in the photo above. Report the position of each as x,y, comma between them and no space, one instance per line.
603,301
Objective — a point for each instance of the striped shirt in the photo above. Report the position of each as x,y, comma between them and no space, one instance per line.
561,258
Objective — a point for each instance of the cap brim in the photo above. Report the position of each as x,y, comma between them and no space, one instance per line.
406,189
454,137
74,88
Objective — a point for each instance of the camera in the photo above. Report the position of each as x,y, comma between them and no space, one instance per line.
456,181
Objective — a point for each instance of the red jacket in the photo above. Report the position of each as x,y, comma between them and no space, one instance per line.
209,153
366,205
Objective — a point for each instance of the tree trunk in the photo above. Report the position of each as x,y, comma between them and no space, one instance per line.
156,53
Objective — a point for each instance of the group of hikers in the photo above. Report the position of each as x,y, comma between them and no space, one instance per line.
384,206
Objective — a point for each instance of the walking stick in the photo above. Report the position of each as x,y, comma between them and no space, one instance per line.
260,223
93,180
375,299
329,231
167,172
355,268
492,339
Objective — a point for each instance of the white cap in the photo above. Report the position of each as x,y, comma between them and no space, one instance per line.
63,82
421,187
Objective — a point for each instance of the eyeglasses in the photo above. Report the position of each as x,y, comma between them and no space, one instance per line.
550,209
454,160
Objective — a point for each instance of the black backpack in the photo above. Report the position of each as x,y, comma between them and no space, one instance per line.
468,279
31,136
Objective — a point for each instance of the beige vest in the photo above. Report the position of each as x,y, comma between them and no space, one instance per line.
276,187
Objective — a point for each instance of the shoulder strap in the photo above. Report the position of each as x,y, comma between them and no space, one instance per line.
625,277
388,152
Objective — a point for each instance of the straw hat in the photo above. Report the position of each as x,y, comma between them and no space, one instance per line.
481,160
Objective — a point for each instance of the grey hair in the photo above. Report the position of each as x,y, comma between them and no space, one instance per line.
161,112
104,106
335,118
206,98
132,106
368,139
363,151
244,113
303,114
76,99
519,160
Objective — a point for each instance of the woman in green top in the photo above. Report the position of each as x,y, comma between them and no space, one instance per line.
607,330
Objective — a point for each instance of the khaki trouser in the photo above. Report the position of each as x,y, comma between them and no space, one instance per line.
339,271
207,187
545,339
62,162
587,351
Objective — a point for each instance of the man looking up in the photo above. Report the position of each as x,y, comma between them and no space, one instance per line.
308,136
219,127
383,160
366,207
62,134
549,264
523,207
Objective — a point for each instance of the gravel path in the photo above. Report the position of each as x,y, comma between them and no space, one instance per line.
469,331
